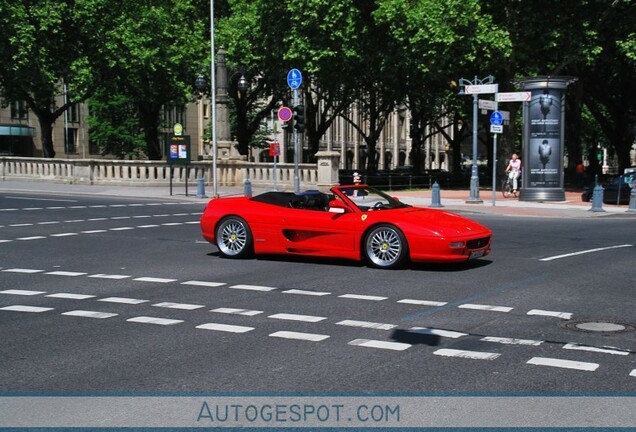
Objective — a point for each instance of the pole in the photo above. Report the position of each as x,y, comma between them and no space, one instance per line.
494,157
474,176
215,192
296,177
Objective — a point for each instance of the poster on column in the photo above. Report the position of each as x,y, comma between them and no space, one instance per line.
545,142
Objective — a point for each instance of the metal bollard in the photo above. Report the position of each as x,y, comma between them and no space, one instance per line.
247,188
597,198
632,201
436,200
200,188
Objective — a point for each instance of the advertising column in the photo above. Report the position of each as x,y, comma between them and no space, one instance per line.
543,139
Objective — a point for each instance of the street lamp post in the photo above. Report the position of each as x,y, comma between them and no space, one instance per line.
474,176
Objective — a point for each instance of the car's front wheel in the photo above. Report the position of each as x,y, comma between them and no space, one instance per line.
234,238
385,247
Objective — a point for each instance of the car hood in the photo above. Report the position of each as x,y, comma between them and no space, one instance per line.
444,223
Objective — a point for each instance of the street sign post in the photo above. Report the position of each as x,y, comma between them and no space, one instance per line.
495,129
481,89
284,114
294,80
513,96
486,104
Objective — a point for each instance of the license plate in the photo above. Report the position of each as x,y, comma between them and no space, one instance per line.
477,254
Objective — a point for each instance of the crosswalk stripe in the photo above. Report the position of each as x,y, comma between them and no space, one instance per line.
475,355
485,307
70,296
567,364
312,337
234,311
295,317
252,287
304,292
90,314
153,320
511,341
394,346
203,283
438,332
605,350
22,292
21,308
122,300
65,273
152,279
363,297
366,324
564,315
422,302
182,306
225,328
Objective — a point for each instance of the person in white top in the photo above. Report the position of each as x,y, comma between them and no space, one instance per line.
514,171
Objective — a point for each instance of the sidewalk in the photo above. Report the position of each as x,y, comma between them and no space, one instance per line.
451,200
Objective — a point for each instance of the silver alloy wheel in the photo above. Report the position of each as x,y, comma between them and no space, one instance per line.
385,247
233,237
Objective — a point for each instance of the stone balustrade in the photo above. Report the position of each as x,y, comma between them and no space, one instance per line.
157,173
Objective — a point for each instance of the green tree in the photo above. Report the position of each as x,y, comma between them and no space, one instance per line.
45,49
152,51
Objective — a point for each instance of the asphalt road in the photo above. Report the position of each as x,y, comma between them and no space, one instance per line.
107,294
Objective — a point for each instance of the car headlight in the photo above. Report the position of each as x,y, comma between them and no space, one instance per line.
457,244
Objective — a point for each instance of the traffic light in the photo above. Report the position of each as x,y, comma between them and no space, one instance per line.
299,118
287,125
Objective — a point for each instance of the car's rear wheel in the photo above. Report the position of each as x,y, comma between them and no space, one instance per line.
234,238
385,247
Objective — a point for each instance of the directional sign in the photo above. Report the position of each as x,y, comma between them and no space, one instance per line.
487,104
496,118
284,114
479,89
496,128
294,79
513,97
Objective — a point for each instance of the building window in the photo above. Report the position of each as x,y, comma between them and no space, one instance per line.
70,141
19,110
73,113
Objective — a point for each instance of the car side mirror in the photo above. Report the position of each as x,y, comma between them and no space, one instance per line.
337,206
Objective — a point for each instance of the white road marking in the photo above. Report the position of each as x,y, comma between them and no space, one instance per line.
121,229
485,307
93,231
22,270
20,308
49,223
181,306
303,292
97,219
567,364
474,355
564,315
394,346
585,252
123,300
147,226
252,288
633,373
70,296
225,328
172,224
366,324
312,337
22,292
234,311
21,225
31,238
108,276
65,273
203,283
152,279
438,332
64,235
295,317
6,241
89,314
153,320
362,297
119,217
422,302
512,341
605,350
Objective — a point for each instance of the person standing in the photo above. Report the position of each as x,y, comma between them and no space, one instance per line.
514,171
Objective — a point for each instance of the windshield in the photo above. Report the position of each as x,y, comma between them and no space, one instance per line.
369,199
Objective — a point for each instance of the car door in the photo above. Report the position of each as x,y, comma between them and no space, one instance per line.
320,232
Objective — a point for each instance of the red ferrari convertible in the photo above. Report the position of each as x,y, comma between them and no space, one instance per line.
352,222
